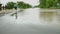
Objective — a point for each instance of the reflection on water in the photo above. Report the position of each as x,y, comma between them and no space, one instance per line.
30,21
48,16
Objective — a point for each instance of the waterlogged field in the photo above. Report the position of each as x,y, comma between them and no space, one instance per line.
31,21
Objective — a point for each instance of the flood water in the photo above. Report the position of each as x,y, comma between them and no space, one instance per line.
31,21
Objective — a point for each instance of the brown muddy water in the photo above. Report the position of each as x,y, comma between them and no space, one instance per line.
31,21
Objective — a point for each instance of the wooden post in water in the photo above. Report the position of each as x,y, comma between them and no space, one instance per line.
16,12
15,6
0,6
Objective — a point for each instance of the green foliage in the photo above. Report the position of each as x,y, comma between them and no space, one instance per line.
23,5
49,3
42,3
10,5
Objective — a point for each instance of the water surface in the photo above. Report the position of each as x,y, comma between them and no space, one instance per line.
31,21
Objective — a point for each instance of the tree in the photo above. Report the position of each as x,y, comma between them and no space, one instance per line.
10,5
48,3
23,5
58,4
42,3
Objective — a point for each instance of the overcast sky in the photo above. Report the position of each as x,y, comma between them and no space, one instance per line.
32,2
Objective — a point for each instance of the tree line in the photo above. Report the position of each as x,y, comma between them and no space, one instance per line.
22,5
42,4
